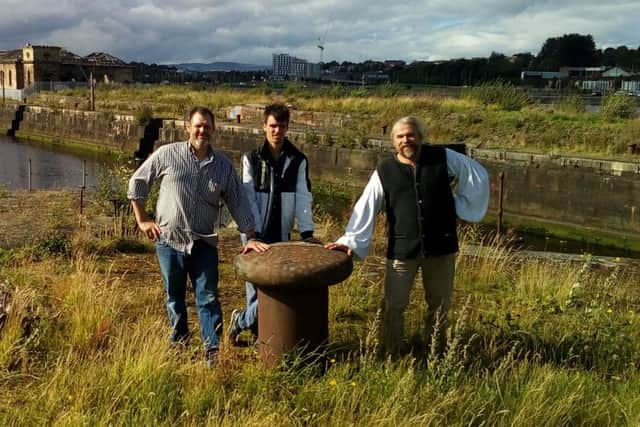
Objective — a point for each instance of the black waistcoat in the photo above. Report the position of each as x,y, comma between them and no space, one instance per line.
268,177
421,212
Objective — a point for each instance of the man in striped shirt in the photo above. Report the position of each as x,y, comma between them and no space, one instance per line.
193,178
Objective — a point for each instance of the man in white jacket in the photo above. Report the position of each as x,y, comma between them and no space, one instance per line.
414,186
275,177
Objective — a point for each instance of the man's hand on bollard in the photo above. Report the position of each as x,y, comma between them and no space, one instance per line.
339,247
255,245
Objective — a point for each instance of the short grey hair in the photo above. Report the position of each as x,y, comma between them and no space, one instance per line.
414,122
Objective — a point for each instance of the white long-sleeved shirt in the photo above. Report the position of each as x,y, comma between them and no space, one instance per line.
471,198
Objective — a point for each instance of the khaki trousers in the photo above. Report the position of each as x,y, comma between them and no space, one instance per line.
437,280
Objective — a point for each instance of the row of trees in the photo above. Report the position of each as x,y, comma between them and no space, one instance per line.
154,73
580,51
568,50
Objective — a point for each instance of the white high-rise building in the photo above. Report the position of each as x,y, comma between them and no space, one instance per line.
285,65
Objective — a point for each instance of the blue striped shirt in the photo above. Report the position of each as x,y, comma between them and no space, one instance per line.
190,193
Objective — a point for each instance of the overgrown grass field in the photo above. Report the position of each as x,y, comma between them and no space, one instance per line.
494,115
84,340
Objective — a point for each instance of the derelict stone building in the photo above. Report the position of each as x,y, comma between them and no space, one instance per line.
20,68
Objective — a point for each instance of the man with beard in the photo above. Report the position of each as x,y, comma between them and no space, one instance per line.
414,186
275,177
193,178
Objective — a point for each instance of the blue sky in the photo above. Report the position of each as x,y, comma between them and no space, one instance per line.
250,31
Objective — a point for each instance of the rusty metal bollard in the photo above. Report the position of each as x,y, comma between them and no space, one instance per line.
293,280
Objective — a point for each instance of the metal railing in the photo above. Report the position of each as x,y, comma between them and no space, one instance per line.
35,87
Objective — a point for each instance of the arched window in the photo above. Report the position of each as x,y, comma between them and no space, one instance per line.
10,78
28,77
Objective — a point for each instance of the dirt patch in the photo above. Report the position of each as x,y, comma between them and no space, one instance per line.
26,216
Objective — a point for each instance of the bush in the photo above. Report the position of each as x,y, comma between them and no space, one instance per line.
112,184
144,115
572,104
337,91
506,96
53,244
388,90
359,92
618,106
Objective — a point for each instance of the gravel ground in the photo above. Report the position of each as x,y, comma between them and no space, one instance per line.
26,216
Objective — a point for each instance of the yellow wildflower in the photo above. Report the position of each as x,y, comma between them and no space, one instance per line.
333,383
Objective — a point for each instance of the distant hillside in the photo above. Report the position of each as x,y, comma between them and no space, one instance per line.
221,66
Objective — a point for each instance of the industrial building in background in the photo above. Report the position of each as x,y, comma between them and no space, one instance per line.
287,67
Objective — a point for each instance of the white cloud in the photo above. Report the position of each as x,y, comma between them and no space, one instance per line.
250,31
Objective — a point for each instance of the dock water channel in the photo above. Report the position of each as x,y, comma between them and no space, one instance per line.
51,167
54,167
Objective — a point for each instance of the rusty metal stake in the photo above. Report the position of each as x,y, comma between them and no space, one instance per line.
500,202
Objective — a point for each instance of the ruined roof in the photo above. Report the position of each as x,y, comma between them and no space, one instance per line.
93,59
70,57
40,45
102,58
10,55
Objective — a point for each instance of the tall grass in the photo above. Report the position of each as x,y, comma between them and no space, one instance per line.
528,343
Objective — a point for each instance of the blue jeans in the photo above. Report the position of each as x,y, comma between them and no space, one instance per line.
202,268
248,318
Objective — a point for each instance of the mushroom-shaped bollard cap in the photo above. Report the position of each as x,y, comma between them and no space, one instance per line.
294,265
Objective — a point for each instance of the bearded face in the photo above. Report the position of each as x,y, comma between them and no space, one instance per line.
406,141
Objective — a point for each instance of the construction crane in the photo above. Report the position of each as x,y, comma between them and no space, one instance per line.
321,41
321,47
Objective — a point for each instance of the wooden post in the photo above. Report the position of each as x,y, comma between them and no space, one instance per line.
93,95
84,174
29,172
81,200
500,202
84,185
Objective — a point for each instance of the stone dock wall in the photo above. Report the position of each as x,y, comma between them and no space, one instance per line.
591,194
100,129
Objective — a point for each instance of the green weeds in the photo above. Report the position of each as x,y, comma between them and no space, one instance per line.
618,106
504,95
572,104
144,115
